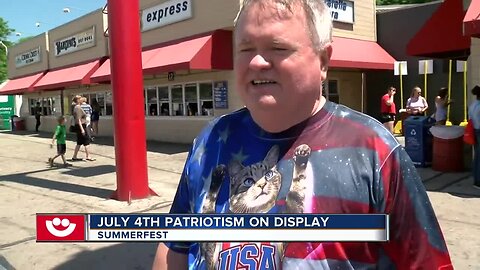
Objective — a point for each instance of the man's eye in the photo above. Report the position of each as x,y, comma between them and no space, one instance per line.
245,50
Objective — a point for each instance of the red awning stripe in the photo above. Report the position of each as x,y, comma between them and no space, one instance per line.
362,54
471,21
70,76
21,85
102,74
442,33
208,52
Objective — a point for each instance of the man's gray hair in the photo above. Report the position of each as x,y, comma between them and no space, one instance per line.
316,12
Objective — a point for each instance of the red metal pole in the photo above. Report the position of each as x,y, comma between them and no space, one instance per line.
128,103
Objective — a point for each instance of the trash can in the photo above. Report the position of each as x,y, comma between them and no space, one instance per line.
19,123
448,148
418,139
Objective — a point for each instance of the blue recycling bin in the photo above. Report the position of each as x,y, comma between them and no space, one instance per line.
419,139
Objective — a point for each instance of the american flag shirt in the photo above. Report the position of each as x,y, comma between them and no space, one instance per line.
355,167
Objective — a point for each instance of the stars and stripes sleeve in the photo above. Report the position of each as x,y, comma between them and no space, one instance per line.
416,240
181,205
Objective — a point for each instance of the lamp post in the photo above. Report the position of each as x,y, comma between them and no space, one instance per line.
69,9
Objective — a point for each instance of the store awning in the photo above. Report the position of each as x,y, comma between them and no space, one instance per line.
354,53
65,77
442,35
21,85
211,52
471,21
102,74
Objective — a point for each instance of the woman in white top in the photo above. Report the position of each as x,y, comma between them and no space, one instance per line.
441,103
474,115
416,104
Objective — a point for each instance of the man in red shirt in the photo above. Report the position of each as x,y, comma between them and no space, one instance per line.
388,109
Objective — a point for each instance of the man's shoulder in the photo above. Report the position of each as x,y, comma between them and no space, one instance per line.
236,118
365,127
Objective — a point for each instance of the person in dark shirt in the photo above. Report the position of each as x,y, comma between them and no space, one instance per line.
38,114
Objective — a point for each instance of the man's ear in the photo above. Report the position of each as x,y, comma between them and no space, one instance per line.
325,55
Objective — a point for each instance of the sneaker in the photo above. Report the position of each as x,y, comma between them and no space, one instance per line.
50,162
67,165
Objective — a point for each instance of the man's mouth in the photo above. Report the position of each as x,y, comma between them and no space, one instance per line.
262,82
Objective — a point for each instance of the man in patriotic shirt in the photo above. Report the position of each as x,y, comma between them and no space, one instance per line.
292,151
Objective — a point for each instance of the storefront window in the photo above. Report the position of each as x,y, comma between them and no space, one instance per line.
330,91
191,99
152,104
101,102
47,105
206,98
164,100
109,103
177,100
104,100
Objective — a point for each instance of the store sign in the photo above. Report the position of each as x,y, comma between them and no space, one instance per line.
166,13
76,42
220,94
27,58
341,10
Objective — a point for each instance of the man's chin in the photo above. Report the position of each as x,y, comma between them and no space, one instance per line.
269,121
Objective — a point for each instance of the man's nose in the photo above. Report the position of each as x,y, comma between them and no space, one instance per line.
259,61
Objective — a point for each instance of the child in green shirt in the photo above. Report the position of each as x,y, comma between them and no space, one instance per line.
61,136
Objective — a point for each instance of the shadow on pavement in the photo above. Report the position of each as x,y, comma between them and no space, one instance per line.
89,171
131,256
5,264
152,146
459,184
25,179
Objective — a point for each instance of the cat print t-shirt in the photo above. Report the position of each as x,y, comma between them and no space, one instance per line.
337,161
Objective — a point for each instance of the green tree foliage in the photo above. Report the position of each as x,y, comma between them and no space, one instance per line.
5,31
401,2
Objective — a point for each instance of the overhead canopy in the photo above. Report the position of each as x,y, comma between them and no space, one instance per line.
471,21
210,52
354,53
65,77
102,74
21,85
442,35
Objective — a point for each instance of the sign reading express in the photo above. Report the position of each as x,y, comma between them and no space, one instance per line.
27,58
76,42
166,13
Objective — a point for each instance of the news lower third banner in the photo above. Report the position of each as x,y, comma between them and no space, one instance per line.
211,227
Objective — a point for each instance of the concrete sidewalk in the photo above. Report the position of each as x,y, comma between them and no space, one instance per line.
29,186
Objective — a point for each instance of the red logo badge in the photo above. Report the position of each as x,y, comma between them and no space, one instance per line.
51,227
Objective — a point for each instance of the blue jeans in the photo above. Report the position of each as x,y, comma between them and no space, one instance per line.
476,159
